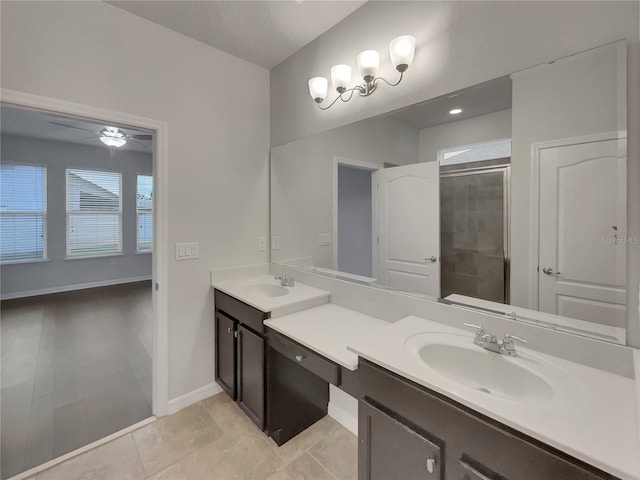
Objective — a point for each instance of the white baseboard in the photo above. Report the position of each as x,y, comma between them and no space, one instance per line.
343,417
69,288
195,396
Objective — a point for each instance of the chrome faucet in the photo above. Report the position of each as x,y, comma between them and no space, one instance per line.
491,343
285,280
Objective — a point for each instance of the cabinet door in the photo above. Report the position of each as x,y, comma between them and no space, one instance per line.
251,375
389,449
226,353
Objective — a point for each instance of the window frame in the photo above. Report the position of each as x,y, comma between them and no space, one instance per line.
120,251
45,229
150,250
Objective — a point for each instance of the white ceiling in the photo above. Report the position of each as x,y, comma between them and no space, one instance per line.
481,99
35,124
262,32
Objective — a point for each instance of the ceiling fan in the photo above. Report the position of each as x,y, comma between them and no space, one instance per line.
111,136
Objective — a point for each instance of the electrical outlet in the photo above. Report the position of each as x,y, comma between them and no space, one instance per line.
275,242
262,244
324,239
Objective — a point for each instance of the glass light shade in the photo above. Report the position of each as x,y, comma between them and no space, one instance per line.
402,50
341,77
113,141
368,63
318,88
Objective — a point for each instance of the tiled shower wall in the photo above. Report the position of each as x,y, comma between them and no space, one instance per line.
472,217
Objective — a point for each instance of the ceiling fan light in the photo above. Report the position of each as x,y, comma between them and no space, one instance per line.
112,141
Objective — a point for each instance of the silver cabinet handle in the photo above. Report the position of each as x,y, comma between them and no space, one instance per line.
299,357
431,259
549,271
431,463
228,329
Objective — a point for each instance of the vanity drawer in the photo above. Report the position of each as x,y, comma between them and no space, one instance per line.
308,359
246,314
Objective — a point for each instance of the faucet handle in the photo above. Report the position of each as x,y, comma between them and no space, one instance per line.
508,347
510,338
479,328
480,333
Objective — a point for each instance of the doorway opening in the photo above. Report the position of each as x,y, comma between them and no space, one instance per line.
78,247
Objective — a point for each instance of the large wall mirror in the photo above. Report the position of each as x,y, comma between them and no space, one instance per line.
508,196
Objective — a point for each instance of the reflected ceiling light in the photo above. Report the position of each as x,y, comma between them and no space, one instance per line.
112,137
455,111
401,50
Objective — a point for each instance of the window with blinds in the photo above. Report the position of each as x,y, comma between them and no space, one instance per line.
144,209
94,213
23,213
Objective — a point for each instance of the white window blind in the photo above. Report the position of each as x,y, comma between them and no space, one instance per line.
23,213
144,209
94,213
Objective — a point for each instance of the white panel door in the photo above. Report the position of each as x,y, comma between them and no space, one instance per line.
409,228
583,202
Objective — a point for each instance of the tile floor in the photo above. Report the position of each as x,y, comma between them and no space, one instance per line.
76,367
212,440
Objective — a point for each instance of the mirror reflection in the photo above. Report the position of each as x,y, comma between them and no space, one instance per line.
508,197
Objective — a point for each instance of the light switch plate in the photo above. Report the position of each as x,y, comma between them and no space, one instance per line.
187,251
275,242
324,239
262,244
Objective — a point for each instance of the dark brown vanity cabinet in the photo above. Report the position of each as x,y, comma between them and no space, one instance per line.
389,447
226,329
409,432
240,354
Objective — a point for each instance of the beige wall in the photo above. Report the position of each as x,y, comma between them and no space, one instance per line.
217,110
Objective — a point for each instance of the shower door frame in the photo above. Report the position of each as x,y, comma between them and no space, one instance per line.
505,169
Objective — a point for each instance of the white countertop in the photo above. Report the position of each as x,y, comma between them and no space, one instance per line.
327,330
592,414
298,297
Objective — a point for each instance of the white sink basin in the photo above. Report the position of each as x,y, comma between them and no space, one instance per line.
266,290
457,359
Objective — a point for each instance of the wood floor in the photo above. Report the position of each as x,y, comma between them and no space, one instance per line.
214,440
76,367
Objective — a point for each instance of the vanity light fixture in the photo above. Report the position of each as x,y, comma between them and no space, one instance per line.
401,51
455,111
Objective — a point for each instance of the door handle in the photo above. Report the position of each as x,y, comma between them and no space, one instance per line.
549,271
431,259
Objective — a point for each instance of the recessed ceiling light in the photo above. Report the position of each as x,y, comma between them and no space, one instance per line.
455,111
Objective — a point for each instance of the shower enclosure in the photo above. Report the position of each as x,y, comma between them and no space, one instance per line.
474,229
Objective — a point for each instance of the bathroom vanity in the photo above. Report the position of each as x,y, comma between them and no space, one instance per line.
431,403
408,431
245,365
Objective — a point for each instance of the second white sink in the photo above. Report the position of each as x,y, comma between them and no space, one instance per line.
470,366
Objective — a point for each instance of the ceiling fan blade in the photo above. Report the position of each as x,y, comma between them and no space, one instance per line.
71,126
132,140
141,137
90,138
